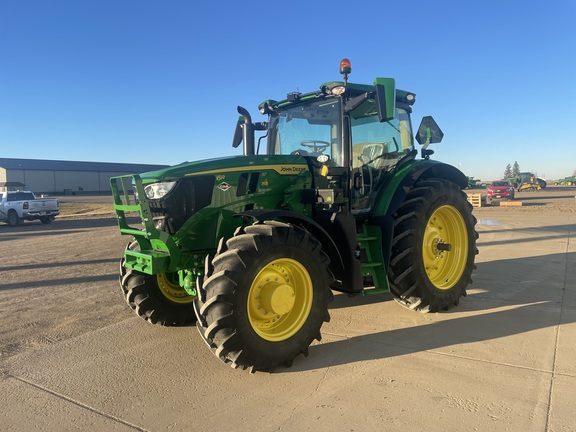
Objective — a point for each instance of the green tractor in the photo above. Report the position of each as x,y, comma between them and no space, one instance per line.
332,196
566,181
475,183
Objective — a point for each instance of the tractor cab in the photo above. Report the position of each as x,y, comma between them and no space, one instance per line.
340,142
352,135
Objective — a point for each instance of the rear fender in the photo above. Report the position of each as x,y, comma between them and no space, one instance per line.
404,180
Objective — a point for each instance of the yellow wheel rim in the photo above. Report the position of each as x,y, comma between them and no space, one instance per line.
280,299
445,247
171,289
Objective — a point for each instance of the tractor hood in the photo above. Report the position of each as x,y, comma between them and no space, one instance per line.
221,167
188,206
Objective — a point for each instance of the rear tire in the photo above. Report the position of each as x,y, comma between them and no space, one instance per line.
266,298
157,299
13,218
433,247
47,219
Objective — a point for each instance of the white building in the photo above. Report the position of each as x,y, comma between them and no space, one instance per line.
64,177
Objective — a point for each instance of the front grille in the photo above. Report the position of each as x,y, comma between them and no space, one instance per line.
186,198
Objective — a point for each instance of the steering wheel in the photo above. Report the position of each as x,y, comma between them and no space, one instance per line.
315,145
300,153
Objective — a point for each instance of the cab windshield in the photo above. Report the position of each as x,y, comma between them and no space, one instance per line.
314,129
310,129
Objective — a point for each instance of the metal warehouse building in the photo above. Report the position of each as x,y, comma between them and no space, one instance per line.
63,177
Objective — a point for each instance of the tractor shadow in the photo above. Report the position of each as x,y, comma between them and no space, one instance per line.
508,303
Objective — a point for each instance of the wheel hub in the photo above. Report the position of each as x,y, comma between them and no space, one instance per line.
172,290
278,299
445,247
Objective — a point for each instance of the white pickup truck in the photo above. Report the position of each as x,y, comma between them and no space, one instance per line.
18,206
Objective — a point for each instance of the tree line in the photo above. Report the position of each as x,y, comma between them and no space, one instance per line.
511,171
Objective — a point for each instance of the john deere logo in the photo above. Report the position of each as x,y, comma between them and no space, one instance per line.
223,186
292,169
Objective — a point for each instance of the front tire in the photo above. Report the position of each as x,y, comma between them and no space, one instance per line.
158,299
266,297
433,247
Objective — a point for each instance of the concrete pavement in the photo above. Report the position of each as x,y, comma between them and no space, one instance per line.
504,360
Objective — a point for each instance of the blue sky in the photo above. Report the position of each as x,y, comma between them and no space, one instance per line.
159,82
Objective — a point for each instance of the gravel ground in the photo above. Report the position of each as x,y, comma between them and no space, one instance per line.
560,199
84,209
77,258
550,199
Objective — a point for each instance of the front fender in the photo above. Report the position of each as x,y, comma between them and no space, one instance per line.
302,220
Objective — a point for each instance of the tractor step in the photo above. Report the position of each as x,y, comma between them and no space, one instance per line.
364,239
373,266
370,265
374,290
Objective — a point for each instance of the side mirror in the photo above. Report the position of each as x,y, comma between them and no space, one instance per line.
429,132
385,89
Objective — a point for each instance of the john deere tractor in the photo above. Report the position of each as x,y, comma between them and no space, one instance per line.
566,181
330,194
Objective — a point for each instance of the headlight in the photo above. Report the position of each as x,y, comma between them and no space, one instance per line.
338,90
135,192
158,190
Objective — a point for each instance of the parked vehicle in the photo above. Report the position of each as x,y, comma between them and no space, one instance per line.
500,189
566,181
527,181
475,183
252,246
18,206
